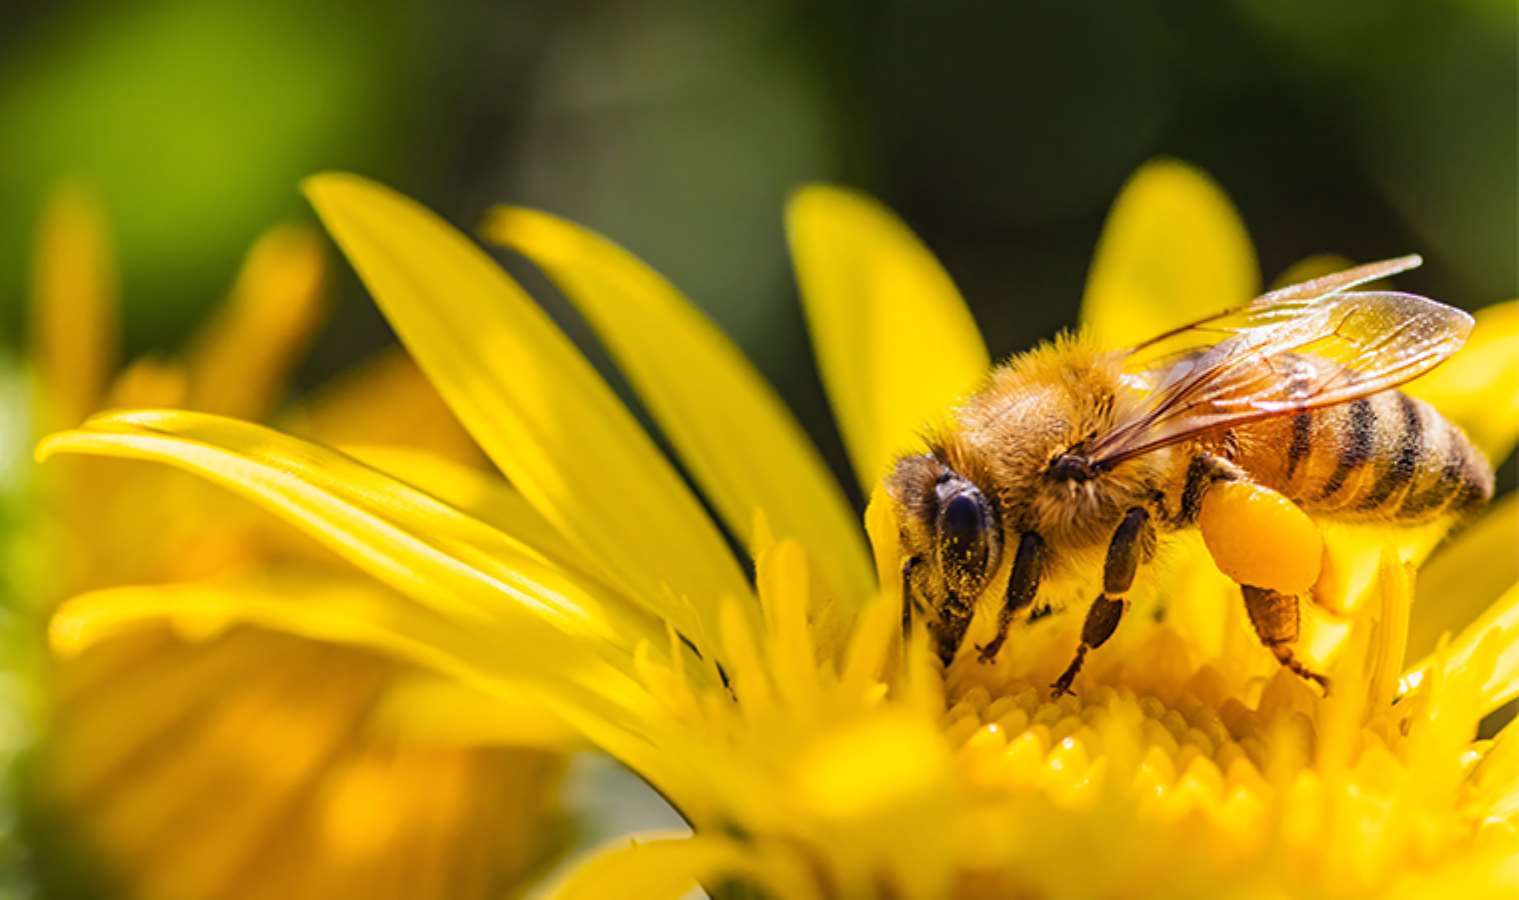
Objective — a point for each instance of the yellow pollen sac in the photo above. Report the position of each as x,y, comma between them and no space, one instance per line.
1258,537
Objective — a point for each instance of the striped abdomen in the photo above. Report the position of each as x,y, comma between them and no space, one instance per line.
1385,457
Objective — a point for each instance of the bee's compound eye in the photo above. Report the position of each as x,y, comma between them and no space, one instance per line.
963,519
969,542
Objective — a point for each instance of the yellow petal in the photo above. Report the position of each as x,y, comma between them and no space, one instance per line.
74,309
533,402
309,604
240,363
1478,388
435,710
736,437
483,495
283,733
1466,576
1497,628
382,400
653,866
424,548
558,672
1173,250
862,771
1388,648
1495,781
894,341
147,381
484,606
555,672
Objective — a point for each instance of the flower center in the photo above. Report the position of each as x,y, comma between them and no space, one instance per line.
1240,774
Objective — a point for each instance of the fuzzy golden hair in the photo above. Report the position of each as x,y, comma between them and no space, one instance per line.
1032,409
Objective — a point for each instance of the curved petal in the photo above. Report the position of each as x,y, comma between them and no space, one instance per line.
1466,576
357,612
284,733
436,710
424,548
312,605
74,309
894,341
654,865
1173,250
240,363
1478,388
382,400
566,676
737,438
1494,783
1499,624
483,495
532,401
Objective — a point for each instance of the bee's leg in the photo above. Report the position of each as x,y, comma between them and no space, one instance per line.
1022,585
1204,473
1255,535
907,596
1101,621
1133,539
1275,617
954,619
1271,548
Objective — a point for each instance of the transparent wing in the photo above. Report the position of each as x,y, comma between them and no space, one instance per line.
1287,351
1277,306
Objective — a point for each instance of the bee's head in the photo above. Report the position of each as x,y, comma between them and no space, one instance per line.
948,525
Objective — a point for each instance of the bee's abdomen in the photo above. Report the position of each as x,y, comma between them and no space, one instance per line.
1383,457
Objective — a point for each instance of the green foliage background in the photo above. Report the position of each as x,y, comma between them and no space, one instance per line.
1000,130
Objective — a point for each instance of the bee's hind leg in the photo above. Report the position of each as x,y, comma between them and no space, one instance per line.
1273,551
1133,539
1275,617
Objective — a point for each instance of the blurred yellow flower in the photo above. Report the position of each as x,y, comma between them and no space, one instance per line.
202,758
812,758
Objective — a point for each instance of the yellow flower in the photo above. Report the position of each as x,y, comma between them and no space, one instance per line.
812,758
200,757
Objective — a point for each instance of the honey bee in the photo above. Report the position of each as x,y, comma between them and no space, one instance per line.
1071,461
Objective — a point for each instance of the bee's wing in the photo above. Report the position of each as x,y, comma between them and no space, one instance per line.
1278,305
1283,352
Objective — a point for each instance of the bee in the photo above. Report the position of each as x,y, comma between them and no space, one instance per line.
1071,464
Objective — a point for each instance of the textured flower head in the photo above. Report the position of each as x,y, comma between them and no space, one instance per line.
812,752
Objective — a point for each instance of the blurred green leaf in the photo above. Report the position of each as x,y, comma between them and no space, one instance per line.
194,120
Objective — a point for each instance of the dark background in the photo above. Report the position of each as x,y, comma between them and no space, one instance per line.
1001,132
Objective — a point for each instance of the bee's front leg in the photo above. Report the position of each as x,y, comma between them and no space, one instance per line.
1022,586
1133,539
908,600
949,631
